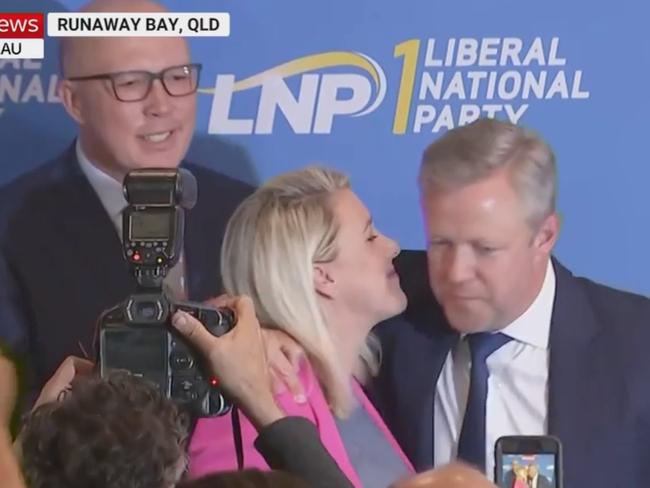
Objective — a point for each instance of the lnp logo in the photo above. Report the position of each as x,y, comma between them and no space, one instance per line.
320,96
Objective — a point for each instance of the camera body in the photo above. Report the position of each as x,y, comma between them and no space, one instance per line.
136,335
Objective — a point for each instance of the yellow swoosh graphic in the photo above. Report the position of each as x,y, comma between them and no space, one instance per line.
309,63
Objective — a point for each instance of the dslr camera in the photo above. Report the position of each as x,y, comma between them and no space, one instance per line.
136,335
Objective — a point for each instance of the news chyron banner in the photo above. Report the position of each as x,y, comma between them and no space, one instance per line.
22,34
138,24
365,86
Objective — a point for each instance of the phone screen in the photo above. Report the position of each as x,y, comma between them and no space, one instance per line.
528,471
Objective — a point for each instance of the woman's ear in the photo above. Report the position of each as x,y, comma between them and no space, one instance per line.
324,283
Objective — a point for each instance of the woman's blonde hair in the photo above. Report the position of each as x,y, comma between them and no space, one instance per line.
270,246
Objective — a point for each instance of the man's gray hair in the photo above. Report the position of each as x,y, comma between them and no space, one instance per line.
476,151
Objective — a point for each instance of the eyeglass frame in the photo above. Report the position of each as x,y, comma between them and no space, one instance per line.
151,76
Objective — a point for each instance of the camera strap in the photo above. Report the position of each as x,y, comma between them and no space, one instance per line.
236,436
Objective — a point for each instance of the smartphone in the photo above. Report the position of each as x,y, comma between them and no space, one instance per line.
528,462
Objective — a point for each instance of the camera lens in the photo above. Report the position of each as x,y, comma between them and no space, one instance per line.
218,404
218,322
146,310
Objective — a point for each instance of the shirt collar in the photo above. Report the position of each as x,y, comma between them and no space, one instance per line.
534,325
106,187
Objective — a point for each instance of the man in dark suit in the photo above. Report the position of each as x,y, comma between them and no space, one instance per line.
499,338
61,260
510,476
536,479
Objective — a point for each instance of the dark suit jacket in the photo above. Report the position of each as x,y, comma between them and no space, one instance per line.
543,482
61,260
599,378
509,478
293,444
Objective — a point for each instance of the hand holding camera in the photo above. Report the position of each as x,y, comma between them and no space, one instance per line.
237,359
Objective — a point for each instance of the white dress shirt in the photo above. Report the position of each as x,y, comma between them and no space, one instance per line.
110,194
517,399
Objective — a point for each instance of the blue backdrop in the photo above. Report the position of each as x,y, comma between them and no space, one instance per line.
364,86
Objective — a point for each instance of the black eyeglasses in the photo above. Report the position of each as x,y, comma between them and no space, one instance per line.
133,86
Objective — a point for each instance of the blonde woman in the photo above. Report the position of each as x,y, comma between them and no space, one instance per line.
305,249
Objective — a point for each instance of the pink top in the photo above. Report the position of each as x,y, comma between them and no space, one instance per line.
212,449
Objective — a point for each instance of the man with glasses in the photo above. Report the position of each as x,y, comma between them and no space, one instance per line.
134,100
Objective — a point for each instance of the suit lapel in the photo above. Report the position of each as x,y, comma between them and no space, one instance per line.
426,342
196,253
87,231
577,376
202,247
426,360
75,256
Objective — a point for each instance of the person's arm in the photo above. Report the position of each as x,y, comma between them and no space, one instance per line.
11,475
70,369
238,359
292,444
62,379
14,336
9,469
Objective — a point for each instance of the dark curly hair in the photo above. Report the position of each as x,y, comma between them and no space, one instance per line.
112,432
